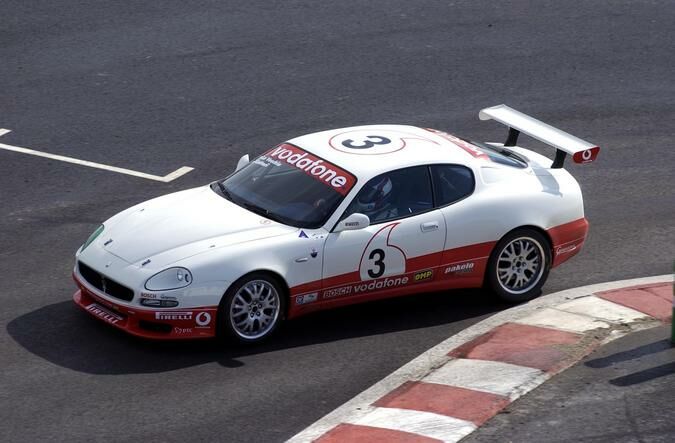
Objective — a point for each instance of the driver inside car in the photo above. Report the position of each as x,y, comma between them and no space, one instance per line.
375,200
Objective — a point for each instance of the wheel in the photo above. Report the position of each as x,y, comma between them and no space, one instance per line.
252,308
518,266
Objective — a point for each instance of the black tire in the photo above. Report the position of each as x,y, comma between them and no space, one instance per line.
240,309
521,278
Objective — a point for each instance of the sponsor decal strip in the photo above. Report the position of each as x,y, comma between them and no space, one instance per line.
306,298
317,168
396,281
469,148
103,313
586,156
174,315
456,265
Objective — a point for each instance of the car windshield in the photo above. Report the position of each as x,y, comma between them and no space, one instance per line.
288,185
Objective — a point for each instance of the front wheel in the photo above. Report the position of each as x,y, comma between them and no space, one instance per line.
252,308
519,265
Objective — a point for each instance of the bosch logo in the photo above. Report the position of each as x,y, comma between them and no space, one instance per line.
587,154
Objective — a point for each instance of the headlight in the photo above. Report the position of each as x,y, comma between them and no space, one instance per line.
172,278
92,237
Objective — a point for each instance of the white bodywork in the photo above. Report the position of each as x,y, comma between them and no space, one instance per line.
219,241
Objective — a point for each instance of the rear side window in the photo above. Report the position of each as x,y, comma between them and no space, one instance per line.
451,183
502,156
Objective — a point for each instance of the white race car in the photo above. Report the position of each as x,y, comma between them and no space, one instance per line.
339,217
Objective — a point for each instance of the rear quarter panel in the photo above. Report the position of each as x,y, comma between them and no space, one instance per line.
506,198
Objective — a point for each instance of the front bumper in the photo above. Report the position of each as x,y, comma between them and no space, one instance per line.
161,324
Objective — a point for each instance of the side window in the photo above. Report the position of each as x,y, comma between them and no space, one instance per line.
394,194
451,183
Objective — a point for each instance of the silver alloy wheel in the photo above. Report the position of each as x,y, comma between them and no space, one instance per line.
255,309
520,265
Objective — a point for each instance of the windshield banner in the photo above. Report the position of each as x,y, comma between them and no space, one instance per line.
321,170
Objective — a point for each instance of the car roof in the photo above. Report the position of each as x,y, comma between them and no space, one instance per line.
367,151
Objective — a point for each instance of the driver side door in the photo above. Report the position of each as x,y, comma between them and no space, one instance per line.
401,248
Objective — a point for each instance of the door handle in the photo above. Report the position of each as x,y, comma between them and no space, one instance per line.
429,226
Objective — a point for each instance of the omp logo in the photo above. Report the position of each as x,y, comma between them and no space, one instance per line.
423,275
175,315
321,170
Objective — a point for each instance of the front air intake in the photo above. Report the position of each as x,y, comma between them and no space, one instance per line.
104,284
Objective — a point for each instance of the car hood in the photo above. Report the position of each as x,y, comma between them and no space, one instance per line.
176,226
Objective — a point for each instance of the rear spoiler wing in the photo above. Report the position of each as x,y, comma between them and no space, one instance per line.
564,143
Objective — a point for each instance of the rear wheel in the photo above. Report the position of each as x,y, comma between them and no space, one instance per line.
519,265
252,308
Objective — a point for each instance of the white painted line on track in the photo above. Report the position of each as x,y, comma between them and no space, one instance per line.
165,179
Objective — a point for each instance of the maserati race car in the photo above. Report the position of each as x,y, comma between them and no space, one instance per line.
334,218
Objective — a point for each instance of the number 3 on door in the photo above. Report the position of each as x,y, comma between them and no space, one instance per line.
382,258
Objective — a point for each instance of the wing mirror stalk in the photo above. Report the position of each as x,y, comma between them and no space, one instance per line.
243,161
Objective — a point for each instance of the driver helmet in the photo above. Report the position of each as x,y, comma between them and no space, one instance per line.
375,195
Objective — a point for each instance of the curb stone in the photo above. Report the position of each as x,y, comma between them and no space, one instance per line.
453,388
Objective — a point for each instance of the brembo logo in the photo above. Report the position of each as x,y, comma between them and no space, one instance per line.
321,170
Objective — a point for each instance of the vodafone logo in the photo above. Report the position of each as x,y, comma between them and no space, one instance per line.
339,179
586,156
203,319
468,147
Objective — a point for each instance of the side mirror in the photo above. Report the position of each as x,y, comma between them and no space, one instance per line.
353,222
243,161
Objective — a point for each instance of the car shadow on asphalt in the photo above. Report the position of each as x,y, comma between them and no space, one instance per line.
644,375
65,336
636,354
631,354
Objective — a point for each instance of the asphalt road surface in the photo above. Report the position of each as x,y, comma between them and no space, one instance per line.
153,86
621,393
